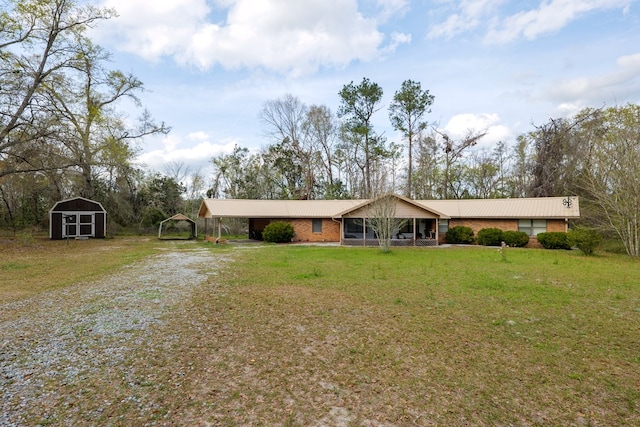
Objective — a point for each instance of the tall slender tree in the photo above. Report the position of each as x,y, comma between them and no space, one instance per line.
406,113
358,103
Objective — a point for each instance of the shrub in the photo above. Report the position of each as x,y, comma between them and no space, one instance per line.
152,217
459,235
490,237
278,232
515,239
585,239
554,240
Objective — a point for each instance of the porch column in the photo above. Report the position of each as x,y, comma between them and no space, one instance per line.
364,232
414,231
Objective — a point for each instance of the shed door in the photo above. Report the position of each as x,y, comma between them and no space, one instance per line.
69,225
86,225
78,224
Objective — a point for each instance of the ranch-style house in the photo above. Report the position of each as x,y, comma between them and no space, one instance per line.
425,221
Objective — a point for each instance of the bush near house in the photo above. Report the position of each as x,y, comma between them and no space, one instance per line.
584,238
554,240
278,232
490,237
459,235
515,239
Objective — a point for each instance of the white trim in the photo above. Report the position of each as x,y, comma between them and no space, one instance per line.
78,224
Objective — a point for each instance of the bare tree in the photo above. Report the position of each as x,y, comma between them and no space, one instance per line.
85,104
382,220
321,133
178,170
293,152
611,176
453,152
38,39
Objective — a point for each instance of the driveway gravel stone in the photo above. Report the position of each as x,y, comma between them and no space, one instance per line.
60,338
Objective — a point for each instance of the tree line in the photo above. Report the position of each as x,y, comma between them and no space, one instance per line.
315,154
63,133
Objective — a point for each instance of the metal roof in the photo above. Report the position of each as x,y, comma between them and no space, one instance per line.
245,208
539,207
536,207
179,217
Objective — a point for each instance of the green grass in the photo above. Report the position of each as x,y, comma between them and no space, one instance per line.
424,336
303,335
44,264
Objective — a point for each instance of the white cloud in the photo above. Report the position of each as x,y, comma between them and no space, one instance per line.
396,40
549,17
469,14
196,153
454,25
461,125
621,85
152,31
289,36
391,8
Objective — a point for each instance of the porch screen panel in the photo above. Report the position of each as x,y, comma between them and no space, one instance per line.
353,225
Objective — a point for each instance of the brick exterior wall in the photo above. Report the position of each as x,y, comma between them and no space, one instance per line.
331,229
557,225
304,229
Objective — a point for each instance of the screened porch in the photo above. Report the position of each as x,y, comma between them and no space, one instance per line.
412,232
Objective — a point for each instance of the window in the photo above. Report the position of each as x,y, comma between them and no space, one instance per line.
532,226
316,225
443,226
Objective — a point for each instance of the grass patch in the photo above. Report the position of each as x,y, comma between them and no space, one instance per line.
49,264
303,335
418,337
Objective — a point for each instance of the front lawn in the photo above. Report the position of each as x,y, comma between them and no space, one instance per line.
441,336
337,336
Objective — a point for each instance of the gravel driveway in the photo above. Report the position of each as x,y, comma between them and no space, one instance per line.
57,347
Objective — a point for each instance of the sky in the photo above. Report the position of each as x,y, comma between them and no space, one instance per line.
494,66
